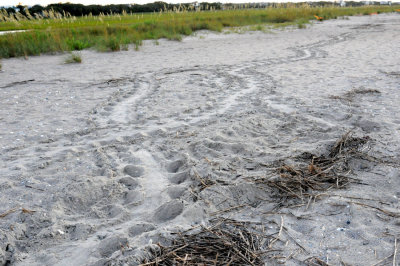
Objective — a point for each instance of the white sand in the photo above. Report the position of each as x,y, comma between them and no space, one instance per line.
105,152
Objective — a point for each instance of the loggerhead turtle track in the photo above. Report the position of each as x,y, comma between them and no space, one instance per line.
238,85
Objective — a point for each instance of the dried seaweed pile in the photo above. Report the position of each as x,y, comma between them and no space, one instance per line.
226,242
318,173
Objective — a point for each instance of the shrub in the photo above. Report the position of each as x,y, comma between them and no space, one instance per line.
77,44
301,26
113,44
73,58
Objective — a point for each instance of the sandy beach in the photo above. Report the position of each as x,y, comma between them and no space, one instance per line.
103,160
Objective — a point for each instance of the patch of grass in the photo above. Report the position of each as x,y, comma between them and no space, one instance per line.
77,44
258,27
138,43
113,44
73,58
301,26
115,32
302,23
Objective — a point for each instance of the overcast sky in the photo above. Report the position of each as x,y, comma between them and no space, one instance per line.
105,2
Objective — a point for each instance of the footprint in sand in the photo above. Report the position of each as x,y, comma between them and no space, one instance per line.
168,211
134,171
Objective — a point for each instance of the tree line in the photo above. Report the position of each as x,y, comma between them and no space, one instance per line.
83,10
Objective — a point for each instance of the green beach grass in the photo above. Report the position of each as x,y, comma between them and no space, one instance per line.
116,32
74,57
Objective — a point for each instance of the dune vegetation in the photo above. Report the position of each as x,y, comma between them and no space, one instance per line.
62,32
74,57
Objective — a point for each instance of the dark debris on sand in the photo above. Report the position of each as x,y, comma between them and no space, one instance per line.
318,173
352,95
230,242
224,242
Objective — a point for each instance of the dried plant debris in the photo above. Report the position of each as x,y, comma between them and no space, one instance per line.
4,214
393,73
348,145
224,242
352,94
314,261
318,173
204,182
200,184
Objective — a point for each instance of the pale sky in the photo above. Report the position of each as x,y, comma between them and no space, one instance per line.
106,2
